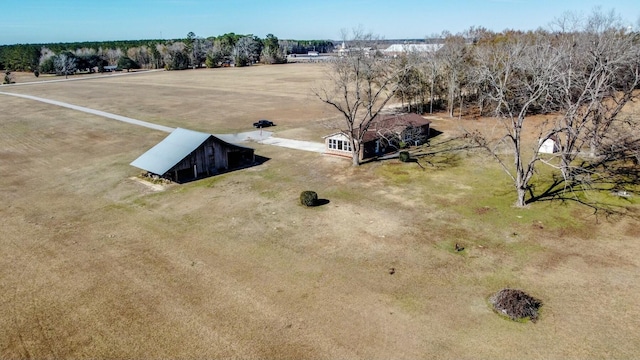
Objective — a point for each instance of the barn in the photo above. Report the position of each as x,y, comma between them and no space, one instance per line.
187,155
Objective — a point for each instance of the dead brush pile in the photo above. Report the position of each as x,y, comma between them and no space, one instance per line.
516,304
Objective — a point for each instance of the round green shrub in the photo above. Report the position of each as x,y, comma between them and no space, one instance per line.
404,156
308,198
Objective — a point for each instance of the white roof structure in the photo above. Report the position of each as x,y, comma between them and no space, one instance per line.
401,48
548,146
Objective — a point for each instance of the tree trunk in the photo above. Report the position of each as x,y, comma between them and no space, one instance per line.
451,104
594,143
522,192
355,159
521,179
355,152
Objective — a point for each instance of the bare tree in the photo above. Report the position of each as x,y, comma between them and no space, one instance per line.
585,78
600,74
454,58
412,87
65,64
422,81
518,74
141,55
431,68
174,55
359,85
246,51
113,55
45,54
196,48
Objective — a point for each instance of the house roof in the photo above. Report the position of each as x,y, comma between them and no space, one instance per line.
395,123
399,121
170,151
336,134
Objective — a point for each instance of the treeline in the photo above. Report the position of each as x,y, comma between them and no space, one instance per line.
177,54
304,46
454,75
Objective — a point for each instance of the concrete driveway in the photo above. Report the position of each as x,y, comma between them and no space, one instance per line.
267,138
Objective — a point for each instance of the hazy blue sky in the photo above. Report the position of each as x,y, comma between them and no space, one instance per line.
44,21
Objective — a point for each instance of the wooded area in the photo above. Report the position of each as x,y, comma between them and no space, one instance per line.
177,54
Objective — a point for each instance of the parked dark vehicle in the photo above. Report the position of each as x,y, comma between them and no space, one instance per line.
263,123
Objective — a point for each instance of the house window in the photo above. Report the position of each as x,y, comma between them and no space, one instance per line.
340,145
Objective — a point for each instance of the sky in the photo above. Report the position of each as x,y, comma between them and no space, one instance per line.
54,21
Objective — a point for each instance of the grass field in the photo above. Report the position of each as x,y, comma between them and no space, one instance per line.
97,265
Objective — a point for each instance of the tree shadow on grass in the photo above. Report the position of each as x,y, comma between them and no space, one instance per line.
589,191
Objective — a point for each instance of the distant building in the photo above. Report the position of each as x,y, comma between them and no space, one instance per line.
343,50
397,49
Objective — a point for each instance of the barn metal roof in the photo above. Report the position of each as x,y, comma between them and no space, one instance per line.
170,151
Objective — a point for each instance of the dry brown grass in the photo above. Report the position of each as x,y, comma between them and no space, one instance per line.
96,265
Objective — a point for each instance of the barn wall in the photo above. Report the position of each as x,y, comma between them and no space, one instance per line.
202,157
220,155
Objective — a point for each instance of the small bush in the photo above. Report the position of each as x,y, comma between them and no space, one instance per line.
8,78
516,304
36,73
308,198
404,156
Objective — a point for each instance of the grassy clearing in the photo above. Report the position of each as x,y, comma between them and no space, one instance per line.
234,266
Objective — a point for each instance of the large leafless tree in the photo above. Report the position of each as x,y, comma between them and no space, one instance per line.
600,75
65,64
455,59
518,75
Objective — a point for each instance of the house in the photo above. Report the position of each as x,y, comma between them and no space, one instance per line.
186,155
549,146
386,134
